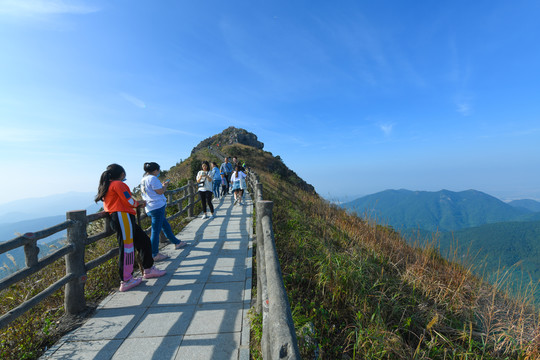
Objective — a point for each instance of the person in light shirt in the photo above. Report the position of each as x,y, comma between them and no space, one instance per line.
204,184
238,180
156,203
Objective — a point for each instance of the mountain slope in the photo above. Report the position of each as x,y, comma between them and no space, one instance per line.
526,204
442,210
506,244
360,291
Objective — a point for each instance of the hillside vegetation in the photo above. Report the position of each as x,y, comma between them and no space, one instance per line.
509,248
469,226
367,294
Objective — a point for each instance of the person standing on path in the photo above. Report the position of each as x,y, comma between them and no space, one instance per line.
204,184
216,179
117,201
156,203
224,184
238,180
227,169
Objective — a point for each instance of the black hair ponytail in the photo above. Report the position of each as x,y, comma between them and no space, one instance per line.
113,172
150,167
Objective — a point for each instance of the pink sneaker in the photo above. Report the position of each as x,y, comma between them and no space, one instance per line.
153,272
131,283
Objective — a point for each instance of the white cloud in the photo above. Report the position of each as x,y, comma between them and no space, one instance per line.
463,104
21,134
386,128
463,108
44,7
135,101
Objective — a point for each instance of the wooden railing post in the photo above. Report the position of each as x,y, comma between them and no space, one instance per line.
74,300
261,268
263,210
259,192
31,252
279,324
162,237
139,211
191,198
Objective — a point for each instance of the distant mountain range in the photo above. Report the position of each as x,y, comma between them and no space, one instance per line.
526,204
477,228
59,204
34,214
442,210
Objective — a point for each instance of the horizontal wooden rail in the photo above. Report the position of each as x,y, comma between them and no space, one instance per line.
111,254
27,271
29,304
32,237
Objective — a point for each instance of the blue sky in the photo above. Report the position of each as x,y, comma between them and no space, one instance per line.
355,96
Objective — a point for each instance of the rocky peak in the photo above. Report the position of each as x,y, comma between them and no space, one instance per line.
230,136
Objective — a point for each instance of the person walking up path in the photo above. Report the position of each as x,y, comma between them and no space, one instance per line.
227,169
216,180
238,180
199,310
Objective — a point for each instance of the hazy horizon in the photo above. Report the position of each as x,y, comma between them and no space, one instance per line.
355,97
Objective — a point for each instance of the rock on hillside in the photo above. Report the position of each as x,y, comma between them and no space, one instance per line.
230,136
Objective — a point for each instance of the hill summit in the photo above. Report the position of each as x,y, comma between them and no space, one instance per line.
230,136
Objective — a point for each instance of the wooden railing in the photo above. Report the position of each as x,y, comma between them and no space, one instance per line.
279,336
77,240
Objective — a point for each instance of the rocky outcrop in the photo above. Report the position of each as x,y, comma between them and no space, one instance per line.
230,136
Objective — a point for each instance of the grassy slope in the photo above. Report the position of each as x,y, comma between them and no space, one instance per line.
369,295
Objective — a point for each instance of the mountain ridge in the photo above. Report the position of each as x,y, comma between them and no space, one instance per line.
443,210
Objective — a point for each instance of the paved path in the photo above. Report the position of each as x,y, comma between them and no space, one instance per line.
198,310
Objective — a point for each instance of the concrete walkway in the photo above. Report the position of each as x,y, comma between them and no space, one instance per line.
198,310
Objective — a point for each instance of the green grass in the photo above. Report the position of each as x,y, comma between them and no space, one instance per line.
369,295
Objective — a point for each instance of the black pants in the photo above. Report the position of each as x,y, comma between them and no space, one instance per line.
206,198
130,237
228,181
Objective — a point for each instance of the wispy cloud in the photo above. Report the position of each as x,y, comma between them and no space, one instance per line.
463,104
44,7
135,101
463,108
460,75
386,128
23,134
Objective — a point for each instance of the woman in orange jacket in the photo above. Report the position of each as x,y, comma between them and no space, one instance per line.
120,205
